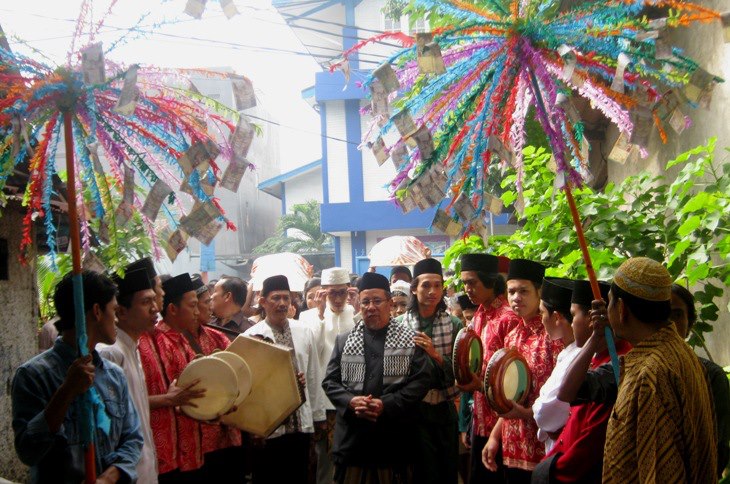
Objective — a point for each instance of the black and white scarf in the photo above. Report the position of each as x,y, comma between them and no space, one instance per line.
397,355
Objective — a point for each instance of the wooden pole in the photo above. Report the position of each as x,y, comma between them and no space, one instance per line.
87,425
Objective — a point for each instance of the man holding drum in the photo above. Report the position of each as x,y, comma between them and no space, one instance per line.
375,378
516,432
493,319
436,445
285,456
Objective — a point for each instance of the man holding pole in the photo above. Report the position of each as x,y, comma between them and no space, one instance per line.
46,390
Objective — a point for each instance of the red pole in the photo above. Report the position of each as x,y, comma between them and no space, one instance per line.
75,234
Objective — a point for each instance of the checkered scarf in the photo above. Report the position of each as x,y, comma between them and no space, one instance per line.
283,337
399,349
443,343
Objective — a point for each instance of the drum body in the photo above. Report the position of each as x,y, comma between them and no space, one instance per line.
220,383
467,356
243,373
507,379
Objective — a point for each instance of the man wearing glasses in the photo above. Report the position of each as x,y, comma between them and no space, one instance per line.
375,379
331,317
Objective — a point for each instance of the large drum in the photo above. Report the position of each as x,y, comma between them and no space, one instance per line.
507,379
275,393
243,372
467,355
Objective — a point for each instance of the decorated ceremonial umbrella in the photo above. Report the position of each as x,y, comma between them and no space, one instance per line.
295,267
398,250
151,123
462,93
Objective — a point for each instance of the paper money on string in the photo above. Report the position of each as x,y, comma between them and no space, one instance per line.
678,121
234,173
123,214
464,208
725,21
127,101
378,99
497,147
446,224
128,193
160,191
386,75
195,8
404,122
92,263
618,77
94,155
229,8
201,153
398,154
176,243
642,119
200,216
622,149
241,138
428,52
495,205
566,104
379,152
480,228
243,93
424,141
208,233
92,64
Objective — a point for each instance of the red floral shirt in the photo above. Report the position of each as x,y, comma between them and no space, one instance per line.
215,436
520,446
492,323
174,353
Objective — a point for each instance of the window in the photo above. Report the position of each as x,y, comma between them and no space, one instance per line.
403,25
391,25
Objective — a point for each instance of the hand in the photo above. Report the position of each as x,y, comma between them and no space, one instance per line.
599,320
320,299
475,385
109,476
80,376
373,410
422,340
179,396
465,440
489,454
302,380
517,411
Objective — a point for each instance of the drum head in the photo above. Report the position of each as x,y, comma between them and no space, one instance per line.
467,355
507,380
243,372
218,380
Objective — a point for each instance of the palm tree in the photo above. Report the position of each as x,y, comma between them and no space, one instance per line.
298,232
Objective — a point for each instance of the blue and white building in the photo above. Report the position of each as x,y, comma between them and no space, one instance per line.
347,181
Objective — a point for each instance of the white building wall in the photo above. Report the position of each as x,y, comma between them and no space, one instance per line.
337,169
346,252
376,179
304,188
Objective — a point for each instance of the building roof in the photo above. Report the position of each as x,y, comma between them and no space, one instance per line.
273,186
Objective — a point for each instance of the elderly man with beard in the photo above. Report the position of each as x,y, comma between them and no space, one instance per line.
285,455
437,440
375,378
136,314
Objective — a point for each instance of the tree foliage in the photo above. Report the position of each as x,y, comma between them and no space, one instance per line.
298,232
682,223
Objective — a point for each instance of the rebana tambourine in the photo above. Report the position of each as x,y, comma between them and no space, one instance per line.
218,380
467,355
507,379
243,372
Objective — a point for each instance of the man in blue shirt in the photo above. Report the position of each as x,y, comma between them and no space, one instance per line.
46,391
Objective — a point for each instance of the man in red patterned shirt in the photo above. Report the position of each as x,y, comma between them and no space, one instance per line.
516,431
165,353
492,321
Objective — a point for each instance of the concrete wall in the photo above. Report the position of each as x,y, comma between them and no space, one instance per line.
19,340
704,43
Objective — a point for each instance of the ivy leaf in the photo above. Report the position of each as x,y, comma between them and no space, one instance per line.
689,225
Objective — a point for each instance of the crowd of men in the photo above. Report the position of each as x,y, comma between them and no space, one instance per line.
374,359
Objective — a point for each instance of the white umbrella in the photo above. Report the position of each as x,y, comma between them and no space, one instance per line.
293,266
398,250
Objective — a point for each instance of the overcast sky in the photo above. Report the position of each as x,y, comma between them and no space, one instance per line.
258,33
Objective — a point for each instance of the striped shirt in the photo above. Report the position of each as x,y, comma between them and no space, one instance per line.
661,428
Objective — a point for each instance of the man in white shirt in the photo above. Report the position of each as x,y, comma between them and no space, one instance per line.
549,412
136,314
331,317
285,455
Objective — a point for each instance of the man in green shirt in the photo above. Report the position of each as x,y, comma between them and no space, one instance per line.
437,440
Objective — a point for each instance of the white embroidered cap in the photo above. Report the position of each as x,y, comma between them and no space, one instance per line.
335,275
